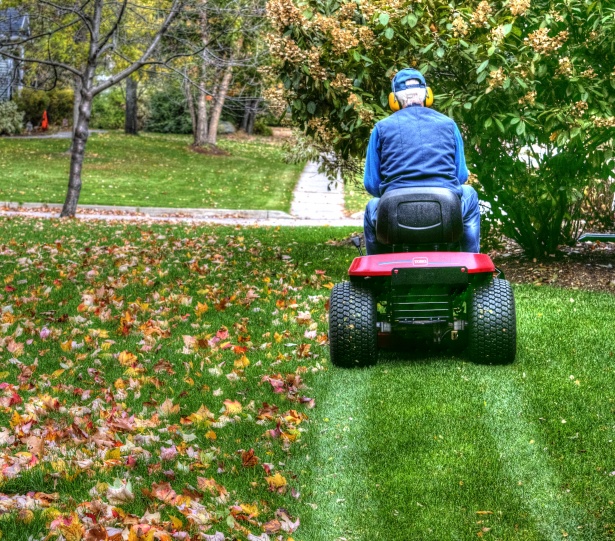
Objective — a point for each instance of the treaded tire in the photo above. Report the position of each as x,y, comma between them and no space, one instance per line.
492,323
353,335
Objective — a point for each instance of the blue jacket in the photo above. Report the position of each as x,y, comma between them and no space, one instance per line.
415,146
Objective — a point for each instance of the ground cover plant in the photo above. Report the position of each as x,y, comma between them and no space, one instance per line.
150,171
172,382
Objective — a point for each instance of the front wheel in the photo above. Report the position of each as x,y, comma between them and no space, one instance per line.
492,323
353,335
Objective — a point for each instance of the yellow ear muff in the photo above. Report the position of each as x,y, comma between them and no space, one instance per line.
393,103
429,97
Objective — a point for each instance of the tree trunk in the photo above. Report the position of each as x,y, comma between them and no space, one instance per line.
131,123
246,115
76,104
252,118
249,115
190,102
216,111
200,137
80,139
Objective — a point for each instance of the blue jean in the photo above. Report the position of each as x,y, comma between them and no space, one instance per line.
470,212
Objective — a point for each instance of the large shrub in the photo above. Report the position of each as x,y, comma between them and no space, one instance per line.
11,118
168,111
57,102
530,83
109,110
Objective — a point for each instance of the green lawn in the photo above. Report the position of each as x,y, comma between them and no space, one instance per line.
183,372
149,171
355,196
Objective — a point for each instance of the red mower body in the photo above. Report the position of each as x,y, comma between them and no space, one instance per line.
384,264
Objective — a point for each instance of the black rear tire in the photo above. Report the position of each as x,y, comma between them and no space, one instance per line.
492,323
353,335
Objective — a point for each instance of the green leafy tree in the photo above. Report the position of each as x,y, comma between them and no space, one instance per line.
530,83
98,43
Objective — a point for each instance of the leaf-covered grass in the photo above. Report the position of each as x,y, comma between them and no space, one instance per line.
149,171
176,379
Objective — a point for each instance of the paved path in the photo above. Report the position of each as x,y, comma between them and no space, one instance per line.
315,197
315,203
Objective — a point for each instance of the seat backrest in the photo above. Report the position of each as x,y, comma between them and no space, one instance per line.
412,216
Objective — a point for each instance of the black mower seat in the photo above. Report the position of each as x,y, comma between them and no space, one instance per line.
419,216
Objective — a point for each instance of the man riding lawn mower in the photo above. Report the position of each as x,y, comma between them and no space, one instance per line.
422,277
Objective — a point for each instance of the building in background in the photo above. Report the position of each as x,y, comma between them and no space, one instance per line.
14,28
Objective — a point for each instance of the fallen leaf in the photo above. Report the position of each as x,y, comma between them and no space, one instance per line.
120,492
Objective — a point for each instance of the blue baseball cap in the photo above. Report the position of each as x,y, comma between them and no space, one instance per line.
399,81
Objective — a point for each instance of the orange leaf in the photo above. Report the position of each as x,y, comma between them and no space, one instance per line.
201,308
233,407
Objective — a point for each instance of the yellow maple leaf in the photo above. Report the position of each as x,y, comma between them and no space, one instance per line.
201,308
202,415
113,454
71,528
211,435
242,362
249,509
276,481
126,358
134,371
176,523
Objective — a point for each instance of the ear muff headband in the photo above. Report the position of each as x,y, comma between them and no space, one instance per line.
395,106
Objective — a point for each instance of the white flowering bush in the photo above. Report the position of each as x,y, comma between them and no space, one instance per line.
531,84
11,118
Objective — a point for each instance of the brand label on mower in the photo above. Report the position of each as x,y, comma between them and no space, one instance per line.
419,261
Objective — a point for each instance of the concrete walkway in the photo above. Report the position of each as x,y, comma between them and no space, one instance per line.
315,203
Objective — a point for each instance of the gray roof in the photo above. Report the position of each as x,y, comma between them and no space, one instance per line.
13,24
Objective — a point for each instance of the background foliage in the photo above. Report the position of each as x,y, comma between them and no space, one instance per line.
11,119
531,86
57,102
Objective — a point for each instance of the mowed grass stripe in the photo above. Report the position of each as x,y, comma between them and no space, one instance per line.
526,462
339,497
441,476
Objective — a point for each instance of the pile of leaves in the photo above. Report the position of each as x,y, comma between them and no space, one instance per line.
154,380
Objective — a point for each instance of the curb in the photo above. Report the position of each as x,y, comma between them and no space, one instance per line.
159,211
